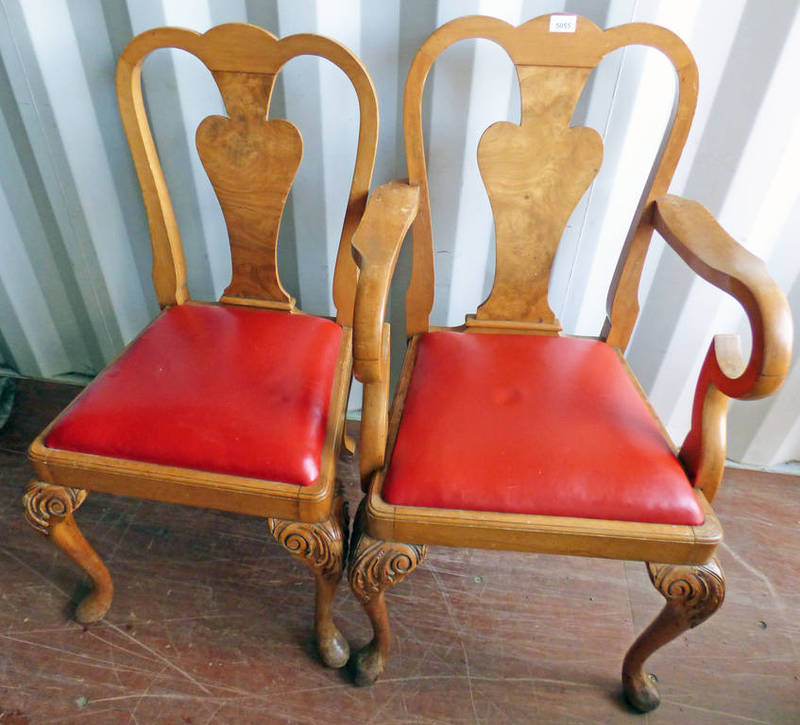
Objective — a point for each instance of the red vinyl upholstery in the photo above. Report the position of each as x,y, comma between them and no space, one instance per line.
533,425
229,390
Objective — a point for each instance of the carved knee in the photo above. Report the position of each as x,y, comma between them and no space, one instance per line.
42,501
49,509
693,594
320,546
376,565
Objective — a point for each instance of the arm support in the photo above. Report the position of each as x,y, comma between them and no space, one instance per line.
704,245
376,245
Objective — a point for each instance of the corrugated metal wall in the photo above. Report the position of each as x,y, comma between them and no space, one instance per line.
74,252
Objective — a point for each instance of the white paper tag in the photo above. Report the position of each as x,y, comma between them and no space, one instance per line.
563,23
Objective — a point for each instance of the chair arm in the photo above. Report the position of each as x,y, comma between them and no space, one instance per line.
704,245
376,246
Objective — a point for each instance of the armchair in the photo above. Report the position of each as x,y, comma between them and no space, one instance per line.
238,404
503,432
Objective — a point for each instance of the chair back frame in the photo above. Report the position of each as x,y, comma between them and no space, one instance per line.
536,172
250,160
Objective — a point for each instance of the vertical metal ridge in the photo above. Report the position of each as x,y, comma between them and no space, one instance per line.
75,255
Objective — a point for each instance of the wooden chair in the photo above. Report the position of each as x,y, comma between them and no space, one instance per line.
236,405
520,438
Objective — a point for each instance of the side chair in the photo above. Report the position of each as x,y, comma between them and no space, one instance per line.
238,404
505,433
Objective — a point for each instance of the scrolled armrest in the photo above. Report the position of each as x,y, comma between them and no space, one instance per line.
691,230
376,245
707,248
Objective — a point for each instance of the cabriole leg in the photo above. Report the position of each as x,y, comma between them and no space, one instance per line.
322,548
49,509
375,565
693,594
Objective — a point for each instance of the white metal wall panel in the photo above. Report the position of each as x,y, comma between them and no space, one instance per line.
74,252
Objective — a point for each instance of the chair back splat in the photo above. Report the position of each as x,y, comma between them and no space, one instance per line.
536,172
250,160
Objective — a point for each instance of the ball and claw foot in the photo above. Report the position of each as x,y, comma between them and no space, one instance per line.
693,593
49,509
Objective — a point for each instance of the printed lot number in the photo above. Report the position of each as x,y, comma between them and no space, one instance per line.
563,23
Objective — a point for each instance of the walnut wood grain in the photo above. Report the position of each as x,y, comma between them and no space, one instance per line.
693,594
535,173
244,60
251,163
542,59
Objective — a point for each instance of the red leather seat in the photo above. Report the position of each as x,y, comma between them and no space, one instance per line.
231,390
533,425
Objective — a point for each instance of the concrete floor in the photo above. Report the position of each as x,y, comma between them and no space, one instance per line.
211,621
